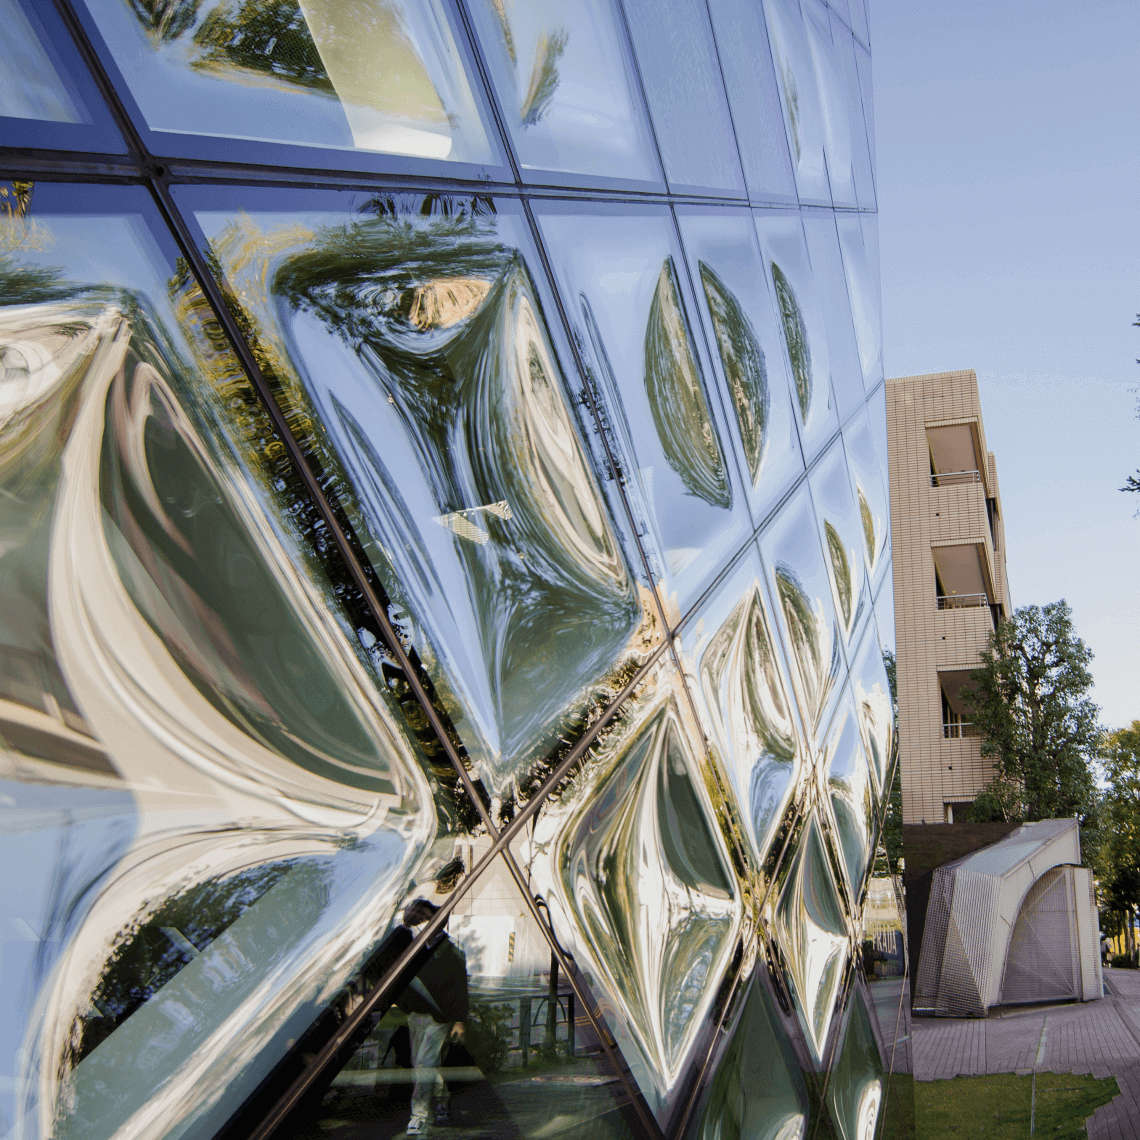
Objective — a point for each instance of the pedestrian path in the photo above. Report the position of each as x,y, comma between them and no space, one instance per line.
1100,1038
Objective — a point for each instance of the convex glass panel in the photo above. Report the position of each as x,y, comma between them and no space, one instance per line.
630,856
566,85
406,338
381,76
632,313
221,795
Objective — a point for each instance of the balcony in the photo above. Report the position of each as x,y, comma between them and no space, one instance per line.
962,601
954,478
957,729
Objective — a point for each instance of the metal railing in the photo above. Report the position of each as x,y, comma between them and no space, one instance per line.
962,601
952,478
958,729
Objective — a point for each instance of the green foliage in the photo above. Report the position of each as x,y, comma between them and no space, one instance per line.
999,1106
1037,722
488,1035
267,36
1118,864
1000,801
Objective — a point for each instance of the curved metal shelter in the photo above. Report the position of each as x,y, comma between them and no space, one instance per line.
1013,923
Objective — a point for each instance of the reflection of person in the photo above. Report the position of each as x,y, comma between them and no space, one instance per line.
436,1007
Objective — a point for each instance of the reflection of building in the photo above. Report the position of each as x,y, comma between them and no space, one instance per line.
491,511
1015,922
948,542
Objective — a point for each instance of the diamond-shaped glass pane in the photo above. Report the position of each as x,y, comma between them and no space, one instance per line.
409,346
629,855
758,1091
730,653
851,795
811,932
855,1089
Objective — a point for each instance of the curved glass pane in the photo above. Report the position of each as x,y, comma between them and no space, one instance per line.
799,96
851,793
856,1088
725,263
732,660
385,76
630,856
843,525
567,89
796,299
678,63
632,316
811,932
758,1091
214,795
750,80
800,588
408,340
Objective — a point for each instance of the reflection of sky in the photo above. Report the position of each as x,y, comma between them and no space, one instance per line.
61,839
1010,244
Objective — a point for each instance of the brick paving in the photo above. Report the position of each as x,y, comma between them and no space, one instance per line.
1101,1038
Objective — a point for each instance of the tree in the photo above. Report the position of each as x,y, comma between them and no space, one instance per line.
1030,701
1120,861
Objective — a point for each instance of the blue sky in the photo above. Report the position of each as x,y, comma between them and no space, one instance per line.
1008,177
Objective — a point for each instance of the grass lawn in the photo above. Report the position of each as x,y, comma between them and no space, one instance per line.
998,1106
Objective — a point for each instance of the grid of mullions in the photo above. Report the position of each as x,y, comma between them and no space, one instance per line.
769,526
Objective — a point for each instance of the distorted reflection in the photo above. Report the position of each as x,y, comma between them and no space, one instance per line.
744,367
806,331
855,1091
31,87
799,96
865,474
753,721
490,1038
851,795
378,75
628,855
845,538
758,1091
407,338
872,691
664,429
677,398
177,656
802,589
812,934
562,77
795,334
724,256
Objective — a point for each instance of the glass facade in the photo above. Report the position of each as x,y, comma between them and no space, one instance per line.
445,572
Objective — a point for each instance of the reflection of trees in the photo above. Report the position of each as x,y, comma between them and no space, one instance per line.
795,332
445,317
868,524
807,638
677,398
260,446
743,361
151,953
544,77
165,20
841,566
740,678
262,35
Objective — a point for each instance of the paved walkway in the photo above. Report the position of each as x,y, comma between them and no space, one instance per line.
1101,1038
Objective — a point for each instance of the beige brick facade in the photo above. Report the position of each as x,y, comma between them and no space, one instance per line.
943,516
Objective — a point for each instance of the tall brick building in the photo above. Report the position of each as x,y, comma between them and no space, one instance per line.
950,582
